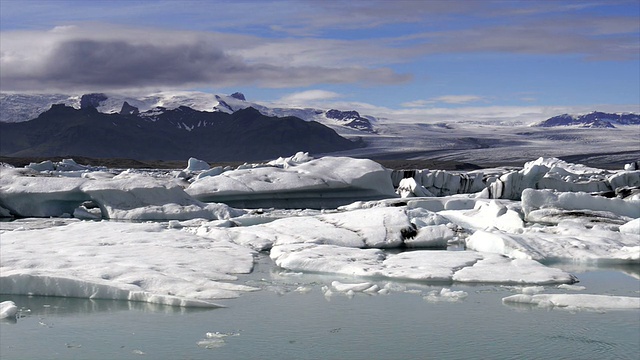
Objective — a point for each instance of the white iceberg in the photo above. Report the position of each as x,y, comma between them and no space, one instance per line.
8,310
545,199
126,261
420,265
127,196
375,228
576,301
318,183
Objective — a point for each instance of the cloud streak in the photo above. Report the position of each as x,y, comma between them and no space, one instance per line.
445,99
66,62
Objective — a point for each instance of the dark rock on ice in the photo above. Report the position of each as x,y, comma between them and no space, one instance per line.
128,109
239,96
92,100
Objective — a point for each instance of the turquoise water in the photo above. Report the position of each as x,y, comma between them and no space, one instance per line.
290,318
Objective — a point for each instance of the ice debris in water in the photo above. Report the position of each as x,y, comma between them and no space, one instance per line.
576,301
8,310
215,340
506,241
445,295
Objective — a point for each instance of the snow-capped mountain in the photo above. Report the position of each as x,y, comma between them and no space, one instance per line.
592,120
166,134
24,107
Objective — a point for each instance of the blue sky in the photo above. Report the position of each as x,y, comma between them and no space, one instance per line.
403,57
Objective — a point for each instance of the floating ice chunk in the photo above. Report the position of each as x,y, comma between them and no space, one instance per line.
359,287
437,182
83,213
550,173
139,197
587,217
125,261
568,240
27,193
625,178
502,243
297,159
70,165
194,165
40,285
632,227
498,269
446,295
571,287
128,196
318,183
424,265
435,236
540,199
8,310
46,165
215,340
427,265
215,171
376,227
327,259
530,290
488,215
576,301
409,188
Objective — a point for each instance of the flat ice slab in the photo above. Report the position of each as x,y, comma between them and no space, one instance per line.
127,261
419,265
576,301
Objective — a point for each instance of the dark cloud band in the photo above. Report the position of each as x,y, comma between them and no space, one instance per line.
115,64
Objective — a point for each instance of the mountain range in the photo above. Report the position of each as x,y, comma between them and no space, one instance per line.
595,119
179,125
166,134
25,107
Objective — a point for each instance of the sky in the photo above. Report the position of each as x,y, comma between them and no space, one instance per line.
416,59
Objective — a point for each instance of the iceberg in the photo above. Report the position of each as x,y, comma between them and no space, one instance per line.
126,196
126,261
8,310
351,223
419,265
326,182
576,301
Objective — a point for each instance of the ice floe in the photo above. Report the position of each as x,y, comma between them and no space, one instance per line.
420,265
549,212
126,261
576,301
297,183
127,196
8,310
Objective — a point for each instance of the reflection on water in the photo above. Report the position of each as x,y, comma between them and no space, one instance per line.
294,318
45,306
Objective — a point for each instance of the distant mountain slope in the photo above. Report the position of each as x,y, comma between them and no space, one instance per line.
24,107
592,120
166,134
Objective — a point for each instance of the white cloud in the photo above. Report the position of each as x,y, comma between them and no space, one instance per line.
445,99
100,57
522,115
307,98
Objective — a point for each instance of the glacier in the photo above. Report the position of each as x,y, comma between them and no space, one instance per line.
176,237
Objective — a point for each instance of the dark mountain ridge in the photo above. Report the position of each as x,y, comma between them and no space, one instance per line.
161,134
595,119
